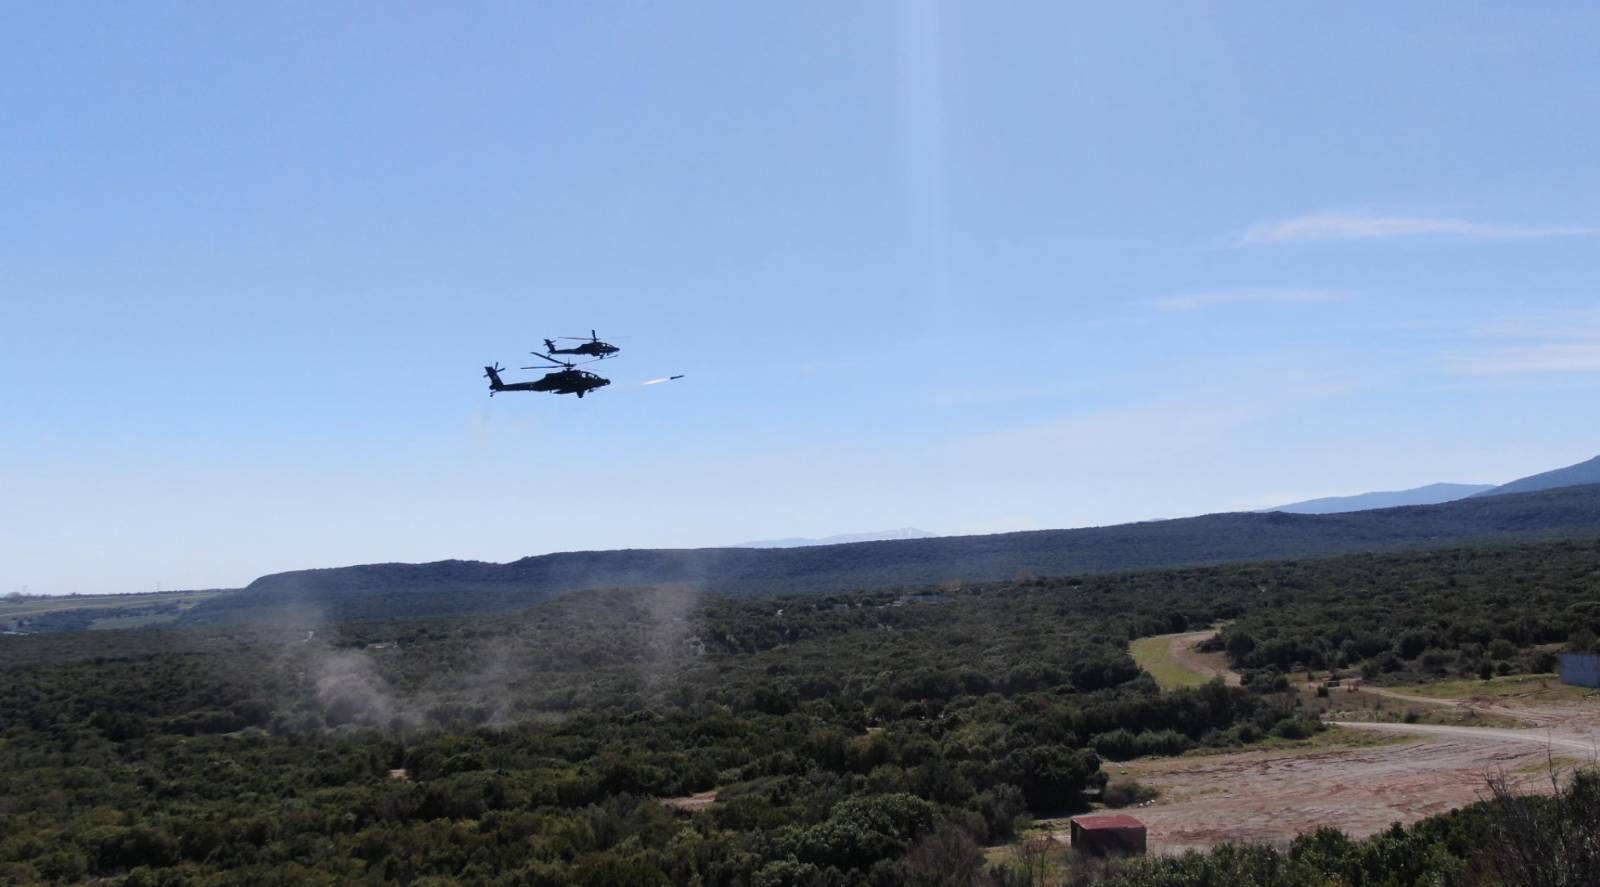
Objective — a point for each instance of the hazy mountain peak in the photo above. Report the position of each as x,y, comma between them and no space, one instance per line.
1432,494
1571,476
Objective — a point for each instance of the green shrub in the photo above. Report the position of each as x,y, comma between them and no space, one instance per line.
1127,793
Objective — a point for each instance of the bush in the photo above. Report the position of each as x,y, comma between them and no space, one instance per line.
1127,793
945,856
1116,745
1122,744
1296,728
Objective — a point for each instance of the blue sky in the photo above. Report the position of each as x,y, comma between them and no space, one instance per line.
968,267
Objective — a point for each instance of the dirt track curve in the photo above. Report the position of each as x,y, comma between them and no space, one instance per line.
1182,649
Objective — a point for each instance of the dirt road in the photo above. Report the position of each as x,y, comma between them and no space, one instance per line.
1558,741
1570,717
1182,649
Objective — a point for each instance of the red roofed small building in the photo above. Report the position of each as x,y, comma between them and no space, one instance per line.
1108,834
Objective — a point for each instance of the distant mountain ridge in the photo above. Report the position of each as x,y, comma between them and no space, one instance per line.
1432,494
842,539
396,591
1573,475
1581,474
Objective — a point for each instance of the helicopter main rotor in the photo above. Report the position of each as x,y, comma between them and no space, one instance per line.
553,363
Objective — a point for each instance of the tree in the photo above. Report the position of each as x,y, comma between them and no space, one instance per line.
945,857
1053,777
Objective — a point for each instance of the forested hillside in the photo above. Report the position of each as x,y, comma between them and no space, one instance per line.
864,738
451,587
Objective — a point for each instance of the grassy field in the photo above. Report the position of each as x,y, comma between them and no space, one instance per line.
1414,713
1154,655
1332,737
1522,687
34,605
123,610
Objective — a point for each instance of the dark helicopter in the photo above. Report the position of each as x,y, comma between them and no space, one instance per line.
591,347
567,380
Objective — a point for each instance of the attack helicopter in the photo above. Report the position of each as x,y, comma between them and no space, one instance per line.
567,380
591,347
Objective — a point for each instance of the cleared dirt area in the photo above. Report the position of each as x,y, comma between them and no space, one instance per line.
1441,760
1272,796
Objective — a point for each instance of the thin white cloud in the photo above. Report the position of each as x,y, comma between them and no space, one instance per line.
1196,301
1547,325
1549,342
1119,437
1358,226
1582,357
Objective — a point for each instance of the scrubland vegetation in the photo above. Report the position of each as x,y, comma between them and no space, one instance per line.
1468,613
862,738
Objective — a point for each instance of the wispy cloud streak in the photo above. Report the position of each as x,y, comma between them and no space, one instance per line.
1131,436
1546,342
1196,301
1583,357
1553,325
1357,226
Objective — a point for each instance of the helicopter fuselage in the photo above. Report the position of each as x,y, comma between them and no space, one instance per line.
589,349
569,382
